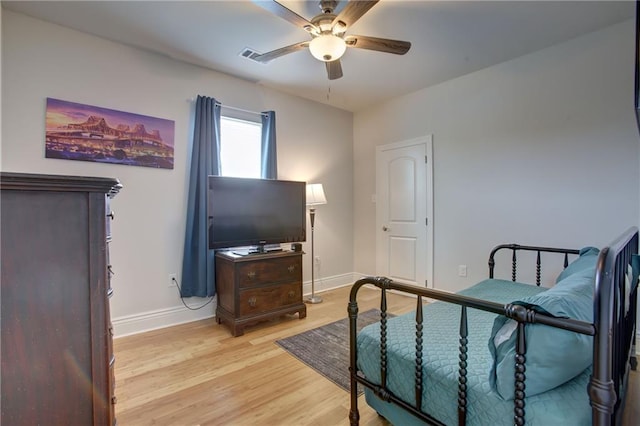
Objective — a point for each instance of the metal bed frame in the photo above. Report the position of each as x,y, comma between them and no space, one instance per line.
613,330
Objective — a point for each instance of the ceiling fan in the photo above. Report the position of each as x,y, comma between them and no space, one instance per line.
327,30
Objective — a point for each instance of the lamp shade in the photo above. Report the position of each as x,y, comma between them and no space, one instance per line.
327,47
315,195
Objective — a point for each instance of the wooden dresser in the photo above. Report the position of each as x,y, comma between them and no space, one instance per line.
57,357
258,287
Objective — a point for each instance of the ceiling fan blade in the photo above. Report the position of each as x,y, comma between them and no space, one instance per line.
334,69
353,11
397,47
266,57
286,14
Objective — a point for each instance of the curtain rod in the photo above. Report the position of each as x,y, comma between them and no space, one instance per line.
240,109
233,108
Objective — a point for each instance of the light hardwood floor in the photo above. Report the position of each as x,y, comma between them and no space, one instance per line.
198,374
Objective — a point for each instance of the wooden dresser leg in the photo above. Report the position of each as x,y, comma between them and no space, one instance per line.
237,330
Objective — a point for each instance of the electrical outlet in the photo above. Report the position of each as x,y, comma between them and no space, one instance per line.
462,270
173,279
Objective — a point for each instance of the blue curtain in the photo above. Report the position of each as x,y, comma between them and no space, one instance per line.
269,168
198,277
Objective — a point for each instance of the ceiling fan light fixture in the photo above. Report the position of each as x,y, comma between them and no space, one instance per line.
327,47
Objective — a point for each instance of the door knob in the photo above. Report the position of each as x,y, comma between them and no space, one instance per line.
385,229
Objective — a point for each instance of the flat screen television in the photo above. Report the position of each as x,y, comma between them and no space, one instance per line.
255,212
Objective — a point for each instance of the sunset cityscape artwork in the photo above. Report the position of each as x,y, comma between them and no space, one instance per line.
89,133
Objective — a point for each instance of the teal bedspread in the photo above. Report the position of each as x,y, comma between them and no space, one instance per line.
565,405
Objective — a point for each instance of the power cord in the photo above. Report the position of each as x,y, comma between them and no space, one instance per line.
174,280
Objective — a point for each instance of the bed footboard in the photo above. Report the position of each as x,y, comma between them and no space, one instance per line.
615,315
611,356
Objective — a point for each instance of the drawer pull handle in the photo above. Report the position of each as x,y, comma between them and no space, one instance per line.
292,294
253,301
112,215
114,400
251,275
291,268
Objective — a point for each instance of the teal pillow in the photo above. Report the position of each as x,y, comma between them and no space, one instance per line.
554,356
587,259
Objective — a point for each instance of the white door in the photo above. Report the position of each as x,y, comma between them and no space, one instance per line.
404,206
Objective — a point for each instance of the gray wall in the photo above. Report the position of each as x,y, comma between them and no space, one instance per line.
43,60
524,151
539,150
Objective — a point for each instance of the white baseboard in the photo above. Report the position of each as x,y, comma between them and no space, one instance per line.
329,283
161,318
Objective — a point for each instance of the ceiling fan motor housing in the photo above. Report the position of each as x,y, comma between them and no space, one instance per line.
323,23
328,6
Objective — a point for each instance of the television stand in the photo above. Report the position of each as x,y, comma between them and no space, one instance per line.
257,288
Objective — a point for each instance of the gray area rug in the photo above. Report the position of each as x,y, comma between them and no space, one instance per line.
326,348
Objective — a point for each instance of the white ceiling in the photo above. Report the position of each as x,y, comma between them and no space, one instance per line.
449,38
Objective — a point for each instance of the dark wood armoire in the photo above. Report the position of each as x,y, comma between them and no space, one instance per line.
57,356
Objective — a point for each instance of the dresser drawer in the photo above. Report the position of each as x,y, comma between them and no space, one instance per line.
265,299
282,270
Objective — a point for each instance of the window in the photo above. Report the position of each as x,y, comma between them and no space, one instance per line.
240,150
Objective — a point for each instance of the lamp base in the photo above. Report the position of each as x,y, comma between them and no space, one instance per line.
313,299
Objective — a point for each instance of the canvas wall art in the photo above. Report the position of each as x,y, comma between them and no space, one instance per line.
90,133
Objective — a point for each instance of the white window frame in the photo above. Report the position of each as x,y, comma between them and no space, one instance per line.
253,169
